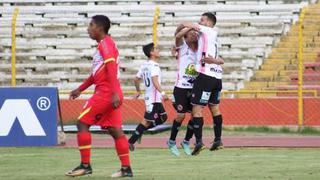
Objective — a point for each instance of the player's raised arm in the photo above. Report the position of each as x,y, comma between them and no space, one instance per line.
179,36
179,28
189,24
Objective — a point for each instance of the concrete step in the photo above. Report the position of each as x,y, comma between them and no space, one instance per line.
270,67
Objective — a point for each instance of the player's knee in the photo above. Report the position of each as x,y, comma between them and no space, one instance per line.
215,110
197,114
180,117
146,123
197,111
163,118
115,132
82,126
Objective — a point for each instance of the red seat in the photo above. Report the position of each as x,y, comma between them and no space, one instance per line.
314,64
295,87
309,76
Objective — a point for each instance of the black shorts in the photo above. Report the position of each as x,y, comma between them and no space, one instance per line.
182,100
154,111
206,90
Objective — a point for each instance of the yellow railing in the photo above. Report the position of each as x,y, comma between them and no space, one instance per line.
256,93
155,26
13,47
300,69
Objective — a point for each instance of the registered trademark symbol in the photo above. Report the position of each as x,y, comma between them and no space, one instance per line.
43,103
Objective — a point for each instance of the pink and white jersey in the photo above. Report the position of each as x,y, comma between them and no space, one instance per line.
148,70
208,45
186,73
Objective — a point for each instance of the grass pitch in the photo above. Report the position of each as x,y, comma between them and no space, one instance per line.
232,163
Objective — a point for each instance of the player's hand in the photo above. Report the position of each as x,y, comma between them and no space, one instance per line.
210,60
165,97
74,94
174,52
137,95
192,25
115,100
195,27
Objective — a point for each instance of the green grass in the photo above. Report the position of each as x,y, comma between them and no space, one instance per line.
255,131
309,131
274,130
52,163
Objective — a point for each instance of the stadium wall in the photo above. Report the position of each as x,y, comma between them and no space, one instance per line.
251,111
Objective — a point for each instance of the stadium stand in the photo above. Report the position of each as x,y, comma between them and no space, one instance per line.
279,69
53,48
311,77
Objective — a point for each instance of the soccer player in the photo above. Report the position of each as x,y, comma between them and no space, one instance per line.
209,20
104,107
207,86
150,73
186,43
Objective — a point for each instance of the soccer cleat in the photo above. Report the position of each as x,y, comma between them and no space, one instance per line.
131,147
123,172
198,148
81,170
216,145
173,148
186,148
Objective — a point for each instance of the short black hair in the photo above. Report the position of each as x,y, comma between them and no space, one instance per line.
211,17
103,21
147,49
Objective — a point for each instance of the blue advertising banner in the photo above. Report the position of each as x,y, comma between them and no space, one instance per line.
28,116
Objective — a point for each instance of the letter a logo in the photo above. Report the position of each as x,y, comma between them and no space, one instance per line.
21,110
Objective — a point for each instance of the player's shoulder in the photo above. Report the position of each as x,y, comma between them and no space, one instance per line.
107,41
154,64
208,29
215,31
144,65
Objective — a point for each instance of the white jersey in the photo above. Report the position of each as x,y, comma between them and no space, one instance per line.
186,72
147,70
208,45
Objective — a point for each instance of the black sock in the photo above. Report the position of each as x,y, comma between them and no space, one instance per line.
174,130
197,128
217,127
189,132
137,133
152,125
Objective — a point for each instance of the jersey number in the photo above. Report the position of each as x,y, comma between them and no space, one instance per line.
146,79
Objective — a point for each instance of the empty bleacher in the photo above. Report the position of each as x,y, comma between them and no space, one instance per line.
53,48
279,70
